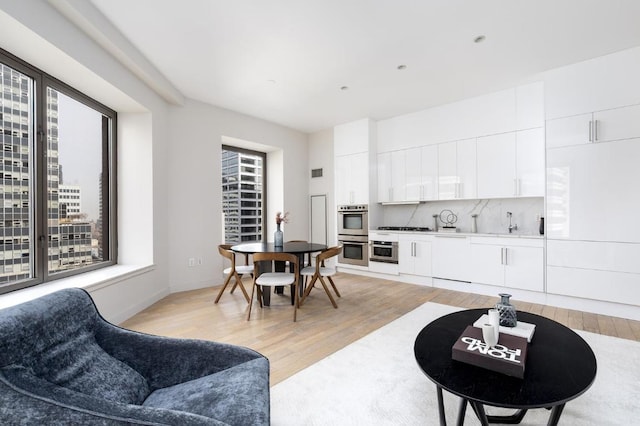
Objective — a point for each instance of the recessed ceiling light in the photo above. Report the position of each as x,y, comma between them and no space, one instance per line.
344,88
479,39
402,67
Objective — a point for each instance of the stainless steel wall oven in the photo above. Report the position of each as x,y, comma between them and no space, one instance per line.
353,220
355,250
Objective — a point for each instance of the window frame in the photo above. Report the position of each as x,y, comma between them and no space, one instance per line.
39,244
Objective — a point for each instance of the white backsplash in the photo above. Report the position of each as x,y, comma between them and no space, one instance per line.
492,214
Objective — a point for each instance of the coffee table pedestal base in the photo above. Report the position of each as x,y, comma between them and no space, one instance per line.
485,420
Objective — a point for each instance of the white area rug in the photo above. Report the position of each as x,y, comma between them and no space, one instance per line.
376,381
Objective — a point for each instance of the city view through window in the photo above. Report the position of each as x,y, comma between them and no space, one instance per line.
242,195
74,145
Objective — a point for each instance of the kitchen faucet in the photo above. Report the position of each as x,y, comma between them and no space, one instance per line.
511,227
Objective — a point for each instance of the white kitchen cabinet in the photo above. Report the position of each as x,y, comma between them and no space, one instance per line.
401,177
591,194
393,174
497,165
511,164
530,106
352,138
457,170
530,167
412,164
384,177
509,262
352,179
450,257
597,84
595,270
600,126
428,173
414,254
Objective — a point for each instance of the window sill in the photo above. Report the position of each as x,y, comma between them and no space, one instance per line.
89,281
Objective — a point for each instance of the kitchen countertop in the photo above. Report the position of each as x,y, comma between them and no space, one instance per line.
461,234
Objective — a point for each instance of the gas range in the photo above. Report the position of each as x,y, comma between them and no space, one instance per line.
403,228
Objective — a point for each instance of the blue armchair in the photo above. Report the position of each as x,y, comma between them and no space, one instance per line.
62,363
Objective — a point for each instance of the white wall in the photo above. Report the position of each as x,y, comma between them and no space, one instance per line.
321,157
197,131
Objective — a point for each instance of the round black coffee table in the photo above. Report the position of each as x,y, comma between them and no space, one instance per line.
560,366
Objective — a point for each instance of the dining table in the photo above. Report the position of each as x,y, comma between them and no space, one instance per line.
299,248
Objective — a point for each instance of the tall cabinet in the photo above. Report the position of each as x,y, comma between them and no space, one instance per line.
351,161
593,147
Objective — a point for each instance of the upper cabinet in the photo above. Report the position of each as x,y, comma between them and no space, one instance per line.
351,138
352,180
600,126
530,106
351,142
408,175
457,170
595,85
511,164
508,161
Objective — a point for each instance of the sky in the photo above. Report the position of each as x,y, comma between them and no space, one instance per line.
80,150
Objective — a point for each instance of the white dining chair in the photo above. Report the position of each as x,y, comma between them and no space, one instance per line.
274,279
234,271
319,272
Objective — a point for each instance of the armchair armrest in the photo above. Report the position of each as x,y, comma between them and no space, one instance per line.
165,361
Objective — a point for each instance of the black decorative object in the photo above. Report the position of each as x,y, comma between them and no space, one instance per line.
542,226
507,311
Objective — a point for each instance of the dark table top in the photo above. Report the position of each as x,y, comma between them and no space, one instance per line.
560,365
298,247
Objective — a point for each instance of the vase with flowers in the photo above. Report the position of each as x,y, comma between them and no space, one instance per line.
278,236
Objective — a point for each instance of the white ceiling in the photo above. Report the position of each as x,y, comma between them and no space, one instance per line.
285,60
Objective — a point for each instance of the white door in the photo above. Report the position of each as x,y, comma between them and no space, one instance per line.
447,171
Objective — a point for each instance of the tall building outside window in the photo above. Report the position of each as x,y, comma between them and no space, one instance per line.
243,194
57,214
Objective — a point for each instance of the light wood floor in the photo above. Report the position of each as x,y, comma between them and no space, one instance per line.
366,305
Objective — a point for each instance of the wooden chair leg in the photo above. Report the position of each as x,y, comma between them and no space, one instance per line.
239,282
307,291
294,288
226,283
334,286
326,290
253,289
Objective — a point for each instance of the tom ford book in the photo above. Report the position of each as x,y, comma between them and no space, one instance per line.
508,356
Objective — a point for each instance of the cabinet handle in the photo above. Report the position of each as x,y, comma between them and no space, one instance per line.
413,249
595,130
506,256
590,131
502,255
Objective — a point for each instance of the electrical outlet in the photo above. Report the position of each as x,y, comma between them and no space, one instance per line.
192,262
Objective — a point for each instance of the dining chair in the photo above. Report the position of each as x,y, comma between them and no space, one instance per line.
320,271
273,279
235,271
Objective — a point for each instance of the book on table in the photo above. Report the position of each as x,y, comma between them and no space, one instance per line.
508,356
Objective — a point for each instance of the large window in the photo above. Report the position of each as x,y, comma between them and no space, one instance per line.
242,194
56,178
